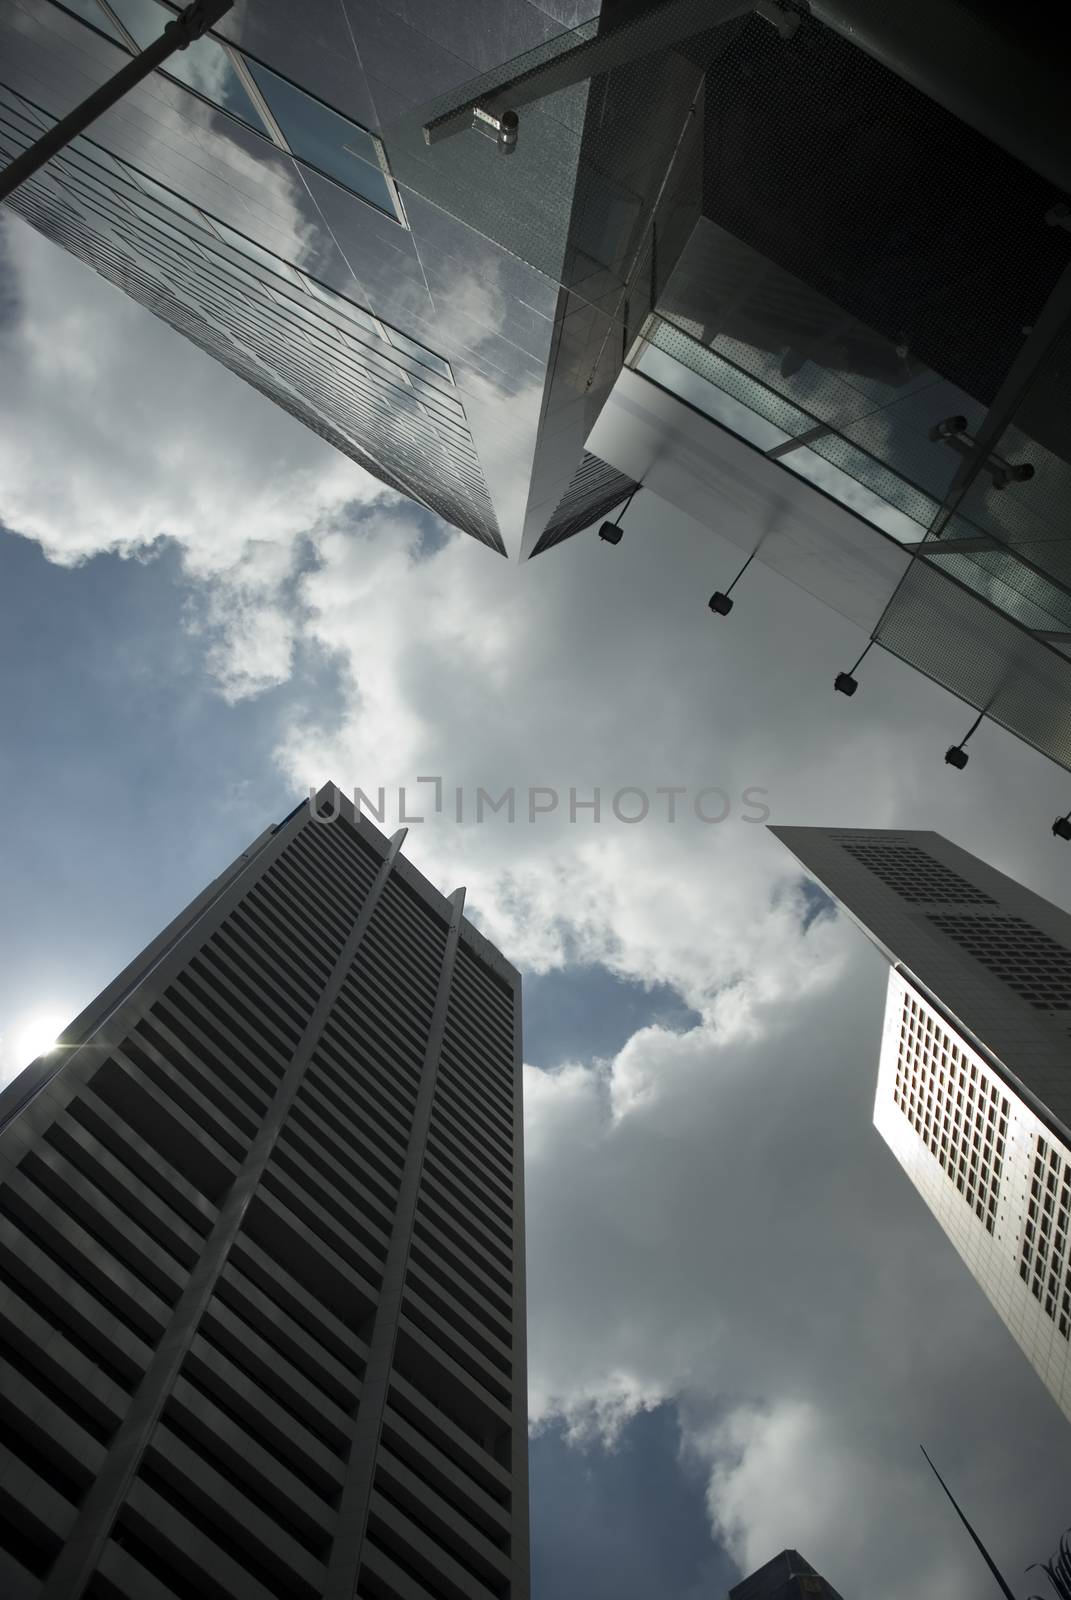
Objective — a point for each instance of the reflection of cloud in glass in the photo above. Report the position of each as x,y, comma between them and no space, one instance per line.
203,65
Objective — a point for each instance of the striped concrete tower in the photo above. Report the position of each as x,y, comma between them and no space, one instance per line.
262,1315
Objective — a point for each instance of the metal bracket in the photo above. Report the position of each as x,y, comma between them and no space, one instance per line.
778,16
502,127
953,432
195,21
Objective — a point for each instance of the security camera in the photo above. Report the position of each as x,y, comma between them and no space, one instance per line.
508,124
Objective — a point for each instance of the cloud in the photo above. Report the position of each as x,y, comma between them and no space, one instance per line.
712,1222
117,435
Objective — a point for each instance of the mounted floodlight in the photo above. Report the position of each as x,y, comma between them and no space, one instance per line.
846,682
508,123
956,756
949,428
719,602
612,532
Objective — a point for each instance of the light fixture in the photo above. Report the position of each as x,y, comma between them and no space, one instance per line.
846,682
719,602
956,756
612,532
1062,827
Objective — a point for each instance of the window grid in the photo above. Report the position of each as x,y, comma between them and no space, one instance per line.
955,1107
1045,1265
1020,955
914,875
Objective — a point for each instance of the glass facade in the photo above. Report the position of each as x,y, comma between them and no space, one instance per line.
247,195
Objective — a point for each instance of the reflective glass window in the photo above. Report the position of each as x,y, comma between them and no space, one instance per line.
332,298
335,146
203,65
426,357
444,400
254,251
89,11
167,196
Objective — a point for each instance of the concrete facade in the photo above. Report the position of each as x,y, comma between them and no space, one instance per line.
261,1226
992,1173
974,1082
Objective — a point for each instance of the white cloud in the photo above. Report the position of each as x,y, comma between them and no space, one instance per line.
115,435
711,1219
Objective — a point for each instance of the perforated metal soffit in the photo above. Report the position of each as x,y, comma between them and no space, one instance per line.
875,198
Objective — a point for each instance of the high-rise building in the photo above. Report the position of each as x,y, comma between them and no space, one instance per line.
271,194
974,1079
787,1577
262,1331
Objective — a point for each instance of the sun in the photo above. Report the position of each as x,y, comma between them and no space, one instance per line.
37,1037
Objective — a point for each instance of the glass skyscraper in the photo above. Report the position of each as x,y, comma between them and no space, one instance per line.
787,1577
262,1334
974,1090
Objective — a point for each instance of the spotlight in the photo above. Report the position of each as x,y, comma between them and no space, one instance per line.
720,603
508,124
1062,827
950,428
611,531
956,755
846,682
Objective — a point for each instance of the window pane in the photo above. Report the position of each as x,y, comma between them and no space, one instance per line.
325,140
91,12
173,201
332,298
203,65
421,353
255,252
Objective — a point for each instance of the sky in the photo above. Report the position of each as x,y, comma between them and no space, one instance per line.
742,1320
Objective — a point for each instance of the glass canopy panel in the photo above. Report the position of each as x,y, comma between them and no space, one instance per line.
680,380
203,65
1023,594
338,148
89,11
853,494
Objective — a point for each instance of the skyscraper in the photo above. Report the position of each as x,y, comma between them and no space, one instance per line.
262,1239
787,1577
271,194
974,1082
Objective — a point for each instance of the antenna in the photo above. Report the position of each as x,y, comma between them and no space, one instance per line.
987,1558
